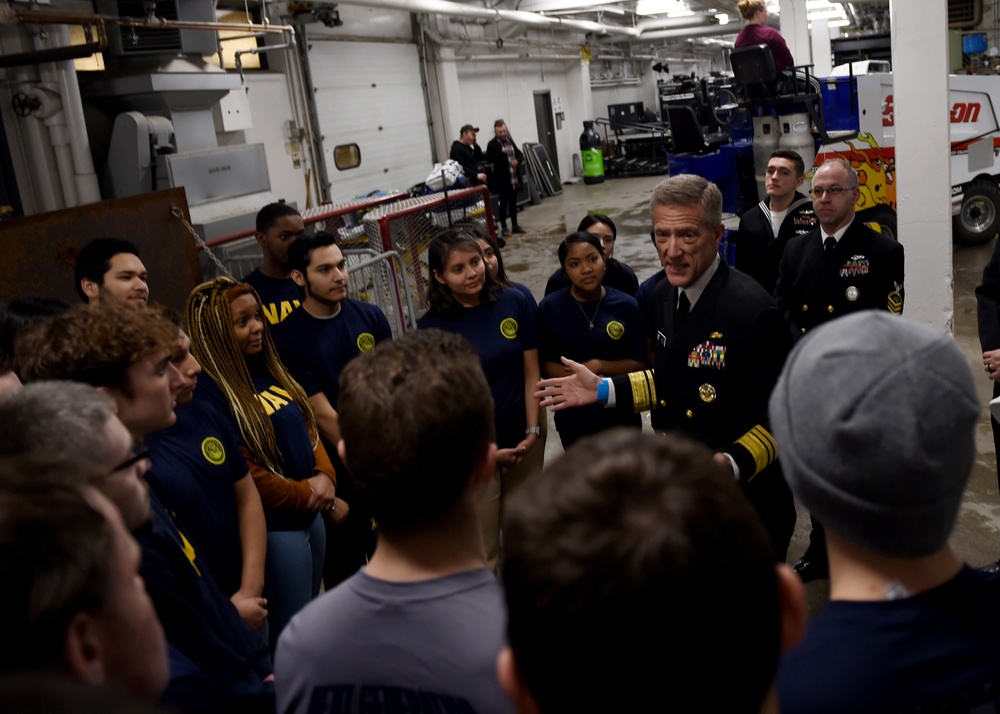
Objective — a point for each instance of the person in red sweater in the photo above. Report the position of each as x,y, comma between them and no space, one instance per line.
757,32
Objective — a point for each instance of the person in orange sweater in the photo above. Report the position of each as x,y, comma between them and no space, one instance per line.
279,439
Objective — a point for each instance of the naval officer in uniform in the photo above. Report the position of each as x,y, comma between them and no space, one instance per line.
719,343
841,266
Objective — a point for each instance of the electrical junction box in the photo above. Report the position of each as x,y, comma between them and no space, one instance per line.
232,112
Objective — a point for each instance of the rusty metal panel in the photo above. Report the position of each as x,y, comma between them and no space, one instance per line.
37,252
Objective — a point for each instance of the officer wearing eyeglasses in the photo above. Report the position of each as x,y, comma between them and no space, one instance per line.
839,267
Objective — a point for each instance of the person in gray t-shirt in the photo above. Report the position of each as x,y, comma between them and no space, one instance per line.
420,627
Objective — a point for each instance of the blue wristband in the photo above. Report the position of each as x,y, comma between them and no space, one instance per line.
602,391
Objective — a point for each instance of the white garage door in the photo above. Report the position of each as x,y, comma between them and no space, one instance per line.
369,94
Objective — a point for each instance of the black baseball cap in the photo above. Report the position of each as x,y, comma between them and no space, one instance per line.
468,127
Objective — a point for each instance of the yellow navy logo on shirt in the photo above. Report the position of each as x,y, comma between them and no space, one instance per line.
274,398
615,330
508,328
189,551
213,451
275,312
366,341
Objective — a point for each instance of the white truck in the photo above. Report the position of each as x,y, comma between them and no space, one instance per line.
975,152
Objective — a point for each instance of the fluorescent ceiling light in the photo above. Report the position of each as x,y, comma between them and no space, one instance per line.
723,18
827,15
681,13
660,7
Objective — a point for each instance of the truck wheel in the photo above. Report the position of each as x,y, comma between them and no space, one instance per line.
979,220
885,217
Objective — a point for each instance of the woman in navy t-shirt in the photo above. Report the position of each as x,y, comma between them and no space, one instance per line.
463,298
593,324
277,426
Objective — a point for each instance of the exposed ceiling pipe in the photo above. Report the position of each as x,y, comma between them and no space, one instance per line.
54,54
455,9
692,32
513,58
10,15
457,42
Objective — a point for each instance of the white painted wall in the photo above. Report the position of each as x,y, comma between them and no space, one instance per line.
368,22
494,90
270,108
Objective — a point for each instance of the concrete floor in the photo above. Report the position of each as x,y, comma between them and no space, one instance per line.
531,258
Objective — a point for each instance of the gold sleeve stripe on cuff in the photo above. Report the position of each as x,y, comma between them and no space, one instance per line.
643,391
759,442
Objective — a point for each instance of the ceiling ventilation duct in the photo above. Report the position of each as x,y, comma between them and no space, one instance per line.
964,14
128,42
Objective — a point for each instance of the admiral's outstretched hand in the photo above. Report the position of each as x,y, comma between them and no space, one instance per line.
577,390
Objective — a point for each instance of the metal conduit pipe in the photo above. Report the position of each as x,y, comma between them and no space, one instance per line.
256,51
39,156
55,54
10,15
305,118
509,57
447,7
693,32
84,176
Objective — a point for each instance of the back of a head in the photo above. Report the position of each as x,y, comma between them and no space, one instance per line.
637,572
749,8
95,344
18,317
56,419
874,417
56,559
94,260
415,415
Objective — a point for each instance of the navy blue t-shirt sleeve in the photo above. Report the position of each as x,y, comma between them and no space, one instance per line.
548,313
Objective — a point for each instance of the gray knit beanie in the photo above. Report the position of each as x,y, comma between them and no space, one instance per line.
874,418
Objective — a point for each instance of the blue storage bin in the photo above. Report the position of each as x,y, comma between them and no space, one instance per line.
839,110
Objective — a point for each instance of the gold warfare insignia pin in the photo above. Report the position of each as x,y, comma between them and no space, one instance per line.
366,341
508,328
615,330
715,336
852,293
213,451
707,393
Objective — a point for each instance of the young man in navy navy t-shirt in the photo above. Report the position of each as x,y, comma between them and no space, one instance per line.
278,227
315,343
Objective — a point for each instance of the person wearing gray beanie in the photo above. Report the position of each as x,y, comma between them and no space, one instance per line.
874,417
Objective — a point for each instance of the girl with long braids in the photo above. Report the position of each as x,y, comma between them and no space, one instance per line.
592,323
463,298
289,464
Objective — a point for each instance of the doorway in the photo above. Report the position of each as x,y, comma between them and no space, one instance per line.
546,127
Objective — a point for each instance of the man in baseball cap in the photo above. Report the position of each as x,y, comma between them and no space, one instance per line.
467,152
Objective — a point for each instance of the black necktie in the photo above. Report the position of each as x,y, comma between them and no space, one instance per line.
829,244
683,309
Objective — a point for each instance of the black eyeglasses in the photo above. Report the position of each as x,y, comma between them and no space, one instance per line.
833,191
139,453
